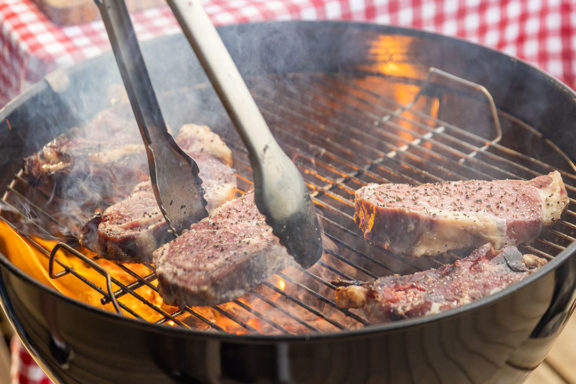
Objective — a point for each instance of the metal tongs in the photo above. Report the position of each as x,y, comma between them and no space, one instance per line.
280,192
174,175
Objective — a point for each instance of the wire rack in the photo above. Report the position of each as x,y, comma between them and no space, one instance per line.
342,131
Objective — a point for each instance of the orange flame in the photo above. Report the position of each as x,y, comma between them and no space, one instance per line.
233,317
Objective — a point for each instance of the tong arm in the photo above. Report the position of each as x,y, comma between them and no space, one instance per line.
173,174
280,192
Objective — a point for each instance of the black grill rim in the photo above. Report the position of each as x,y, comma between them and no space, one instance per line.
365,331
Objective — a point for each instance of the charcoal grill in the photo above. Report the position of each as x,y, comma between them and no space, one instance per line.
352,104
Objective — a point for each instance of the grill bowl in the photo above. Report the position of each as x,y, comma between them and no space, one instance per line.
502,337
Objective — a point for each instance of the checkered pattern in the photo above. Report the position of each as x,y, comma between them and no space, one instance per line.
24,369
542,32
538,31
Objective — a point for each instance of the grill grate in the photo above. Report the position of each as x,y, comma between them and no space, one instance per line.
342,131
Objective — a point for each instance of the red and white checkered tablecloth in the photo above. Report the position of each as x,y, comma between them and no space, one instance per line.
23,369
542,32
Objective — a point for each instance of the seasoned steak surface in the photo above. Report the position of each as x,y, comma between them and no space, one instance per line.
433,218
221,257
133,228
483,272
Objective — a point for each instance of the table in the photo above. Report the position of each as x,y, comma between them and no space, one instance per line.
537,31
541,32
558,368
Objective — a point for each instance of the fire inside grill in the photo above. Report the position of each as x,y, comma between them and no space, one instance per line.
342,131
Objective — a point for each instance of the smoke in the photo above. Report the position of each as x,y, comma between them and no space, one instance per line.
87,169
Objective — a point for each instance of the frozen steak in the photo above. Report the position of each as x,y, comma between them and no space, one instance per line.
484,272
430,219
133,228
221,257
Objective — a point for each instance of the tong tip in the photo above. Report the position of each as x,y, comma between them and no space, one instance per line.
300,233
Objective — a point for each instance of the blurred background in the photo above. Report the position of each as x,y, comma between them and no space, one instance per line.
38,36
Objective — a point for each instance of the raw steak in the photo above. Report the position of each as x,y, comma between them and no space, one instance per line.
132,229
100,163
396,297
221,257
97,163
433,218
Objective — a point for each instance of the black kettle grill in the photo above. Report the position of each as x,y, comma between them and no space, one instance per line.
351,104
